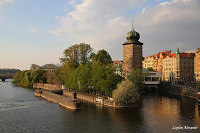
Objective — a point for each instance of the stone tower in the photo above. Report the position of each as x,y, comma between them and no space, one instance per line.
132,52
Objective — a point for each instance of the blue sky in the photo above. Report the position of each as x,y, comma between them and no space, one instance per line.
38,31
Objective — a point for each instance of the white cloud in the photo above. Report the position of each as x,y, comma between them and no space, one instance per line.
143,10
164,3
170,12
98,22
2,2
33,30
104,24
73,2
164,27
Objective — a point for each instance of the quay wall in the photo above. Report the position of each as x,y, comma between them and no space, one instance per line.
104,101
51,87
178,90
62,100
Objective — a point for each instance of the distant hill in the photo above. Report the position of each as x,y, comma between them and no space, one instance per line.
8,71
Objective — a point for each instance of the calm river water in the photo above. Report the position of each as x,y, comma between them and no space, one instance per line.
21,111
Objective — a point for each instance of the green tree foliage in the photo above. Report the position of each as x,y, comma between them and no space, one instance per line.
150,69
29,77
79,78
137,77
97,76
104,79
63,71
77,54
102,57
126,93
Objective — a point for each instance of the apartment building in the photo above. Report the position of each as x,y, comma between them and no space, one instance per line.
197,65
178,67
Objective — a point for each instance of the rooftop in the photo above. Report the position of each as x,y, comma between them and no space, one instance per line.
49,66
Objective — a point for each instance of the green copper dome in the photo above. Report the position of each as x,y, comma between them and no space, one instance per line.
133,35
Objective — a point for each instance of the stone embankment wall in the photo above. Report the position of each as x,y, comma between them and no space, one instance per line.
178,90
62,100
94,99
47,86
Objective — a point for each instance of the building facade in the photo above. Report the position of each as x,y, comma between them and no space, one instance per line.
148,62
197,65
158,60
132,52
155,61
50,72
178,67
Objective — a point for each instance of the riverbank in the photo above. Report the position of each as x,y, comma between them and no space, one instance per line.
84,97
94,99
178,90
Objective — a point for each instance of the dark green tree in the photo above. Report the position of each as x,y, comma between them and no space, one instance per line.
104,79
77,54
29,77
102,57
150,69
137,77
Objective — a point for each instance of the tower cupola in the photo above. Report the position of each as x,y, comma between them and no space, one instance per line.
133,36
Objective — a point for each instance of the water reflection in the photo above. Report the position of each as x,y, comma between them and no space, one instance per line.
155,113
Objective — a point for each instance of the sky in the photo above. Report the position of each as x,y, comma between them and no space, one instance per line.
38,31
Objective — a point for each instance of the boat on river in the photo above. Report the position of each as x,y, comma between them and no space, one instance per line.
198,97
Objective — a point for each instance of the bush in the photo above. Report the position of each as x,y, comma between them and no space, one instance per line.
126,93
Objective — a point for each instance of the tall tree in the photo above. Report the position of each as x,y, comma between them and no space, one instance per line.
77,54
137,77
102,56
104,78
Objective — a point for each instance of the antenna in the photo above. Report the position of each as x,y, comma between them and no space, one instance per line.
132,23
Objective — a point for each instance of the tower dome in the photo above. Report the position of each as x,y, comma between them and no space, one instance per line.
133,35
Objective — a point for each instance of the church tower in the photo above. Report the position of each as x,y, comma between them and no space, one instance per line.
132,52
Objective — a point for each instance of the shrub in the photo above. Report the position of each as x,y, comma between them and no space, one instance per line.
126,92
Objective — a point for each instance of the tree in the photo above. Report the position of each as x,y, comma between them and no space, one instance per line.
150,69
38,76
104,79
34,66
29,77
77,54
137,77
102,57
126,93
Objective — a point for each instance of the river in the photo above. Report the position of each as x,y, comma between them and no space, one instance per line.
21,111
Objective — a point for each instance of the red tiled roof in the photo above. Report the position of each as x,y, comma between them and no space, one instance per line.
117,61
187,54
181,54
172,55
163,53
158,54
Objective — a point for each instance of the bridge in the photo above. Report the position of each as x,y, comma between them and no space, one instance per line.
3,77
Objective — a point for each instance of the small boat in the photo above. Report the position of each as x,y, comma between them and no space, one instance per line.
198,97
